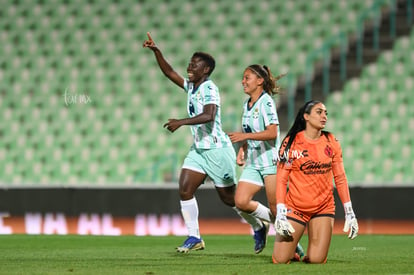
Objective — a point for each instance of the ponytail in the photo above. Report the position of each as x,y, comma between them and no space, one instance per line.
270,82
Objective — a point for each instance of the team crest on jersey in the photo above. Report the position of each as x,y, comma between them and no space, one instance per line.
255,114
198,96
328,151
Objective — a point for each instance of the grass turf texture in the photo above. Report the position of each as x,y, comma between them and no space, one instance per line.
25,254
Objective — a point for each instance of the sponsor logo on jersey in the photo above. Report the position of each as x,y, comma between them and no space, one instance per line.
311,167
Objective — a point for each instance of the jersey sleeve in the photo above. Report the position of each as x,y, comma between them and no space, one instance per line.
269,112
341,181
210,93
282,177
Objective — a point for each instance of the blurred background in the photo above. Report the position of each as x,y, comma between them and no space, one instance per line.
83,104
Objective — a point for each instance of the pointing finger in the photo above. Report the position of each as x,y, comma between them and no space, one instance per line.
149,36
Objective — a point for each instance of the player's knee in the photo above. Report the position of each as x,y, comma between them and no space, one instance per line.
315,260
227,196
186,195
241,202
277,259
227,199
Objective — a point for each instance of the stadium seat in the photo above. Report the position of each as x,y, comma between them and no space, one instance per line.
94,48
385,121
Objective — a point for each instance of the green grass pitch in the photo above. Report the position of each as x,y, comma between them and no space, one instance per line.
29,254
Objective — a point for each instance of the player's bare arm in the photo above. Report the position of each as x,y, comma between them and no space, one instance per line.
268,134
208,114
162,62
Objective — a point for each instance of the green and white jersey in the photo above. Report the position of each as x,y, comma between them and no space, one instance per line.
209,135
263,113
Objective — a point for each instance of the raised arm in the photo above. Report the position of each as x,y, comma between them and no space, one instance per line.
162,63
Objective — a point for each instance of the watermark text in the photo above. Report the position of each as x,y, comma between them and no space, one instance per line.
73,98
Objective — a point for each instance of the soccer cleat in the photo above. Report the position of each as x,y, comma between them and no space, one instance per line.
296,258
191,243
299,250
299,253
260,238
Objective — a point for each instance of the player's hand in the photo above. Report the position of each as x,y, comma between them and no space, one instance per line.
149,43
282,225
240,157
236,137
172,125
351,223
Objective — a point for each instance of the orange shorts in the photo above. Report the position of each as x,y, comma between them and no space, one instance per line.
327,210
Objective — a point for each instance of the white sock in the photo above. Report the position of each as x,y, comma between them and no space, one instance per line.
189,210
263,213
255,223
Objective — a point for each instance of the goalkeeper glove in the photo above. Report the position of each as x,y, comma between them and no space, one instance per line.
351,223
282,226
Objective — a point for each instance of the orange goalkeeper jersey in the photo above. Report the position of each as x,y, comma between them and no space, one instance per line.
310,169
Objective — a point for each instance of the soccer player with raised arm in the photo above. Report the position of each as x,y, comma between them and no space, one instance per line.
212,153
